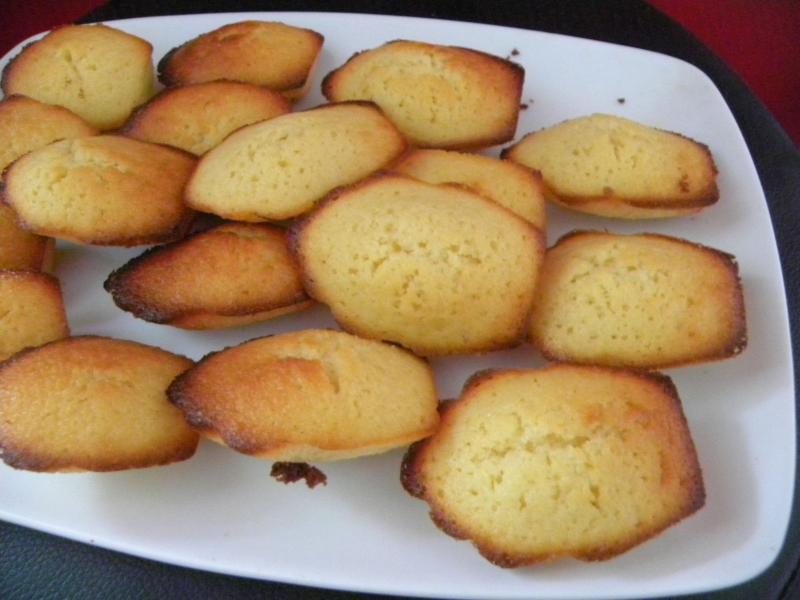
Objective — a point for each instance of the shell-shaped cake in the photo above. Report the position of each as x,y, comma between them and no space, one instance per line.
615,167
98,72
438,96
274,55
91,404
281,168
437,269
197,117
309,396
515,187
566,461
643,301
31,311
230,275
106,190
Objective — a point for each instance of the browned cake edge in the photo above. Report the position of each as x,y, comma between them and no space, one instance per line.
115,284
25,459
609,201
48,255
297,231
167,77
738,339
416,455
328,87
205,320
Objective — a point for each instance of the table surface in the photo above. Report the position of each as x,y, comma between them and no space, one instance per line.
37,565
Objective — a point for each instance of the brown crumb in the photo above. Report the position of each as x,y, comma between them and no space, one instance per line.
621,100
514,52
291,472
523,106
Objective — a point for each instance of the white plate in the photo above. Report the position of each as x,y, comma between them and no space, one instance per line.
222,512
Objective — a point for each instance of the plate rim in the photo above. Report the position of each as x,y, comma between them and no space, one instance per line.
741,576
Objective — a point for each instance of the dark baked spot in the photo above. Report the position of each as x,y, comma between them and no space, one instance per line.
408,470
523,106
291,472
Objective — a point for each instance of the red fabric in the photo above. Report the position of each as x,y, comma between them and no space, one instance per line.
760,40
23,18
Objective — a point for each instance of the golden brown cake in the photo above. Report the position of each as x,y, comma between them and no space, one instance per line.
309,396
20,249
91,404
99,73
106,190
230,275
438,269
197,117
518,189
438,96
281,168
614,167
31,311
277,56
565,461
644,301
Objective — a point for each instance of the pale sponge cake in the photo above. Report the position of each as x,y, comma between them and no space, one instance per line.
439,96
31,311
274,55
105,190
310,396
199,116
99,73
565,461
615,167
517,188
643,301
230,275
26,124
280,168
438,269
91,404
20,249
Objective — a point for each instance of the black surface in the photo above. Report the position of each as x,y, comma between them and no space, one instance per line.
36,565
